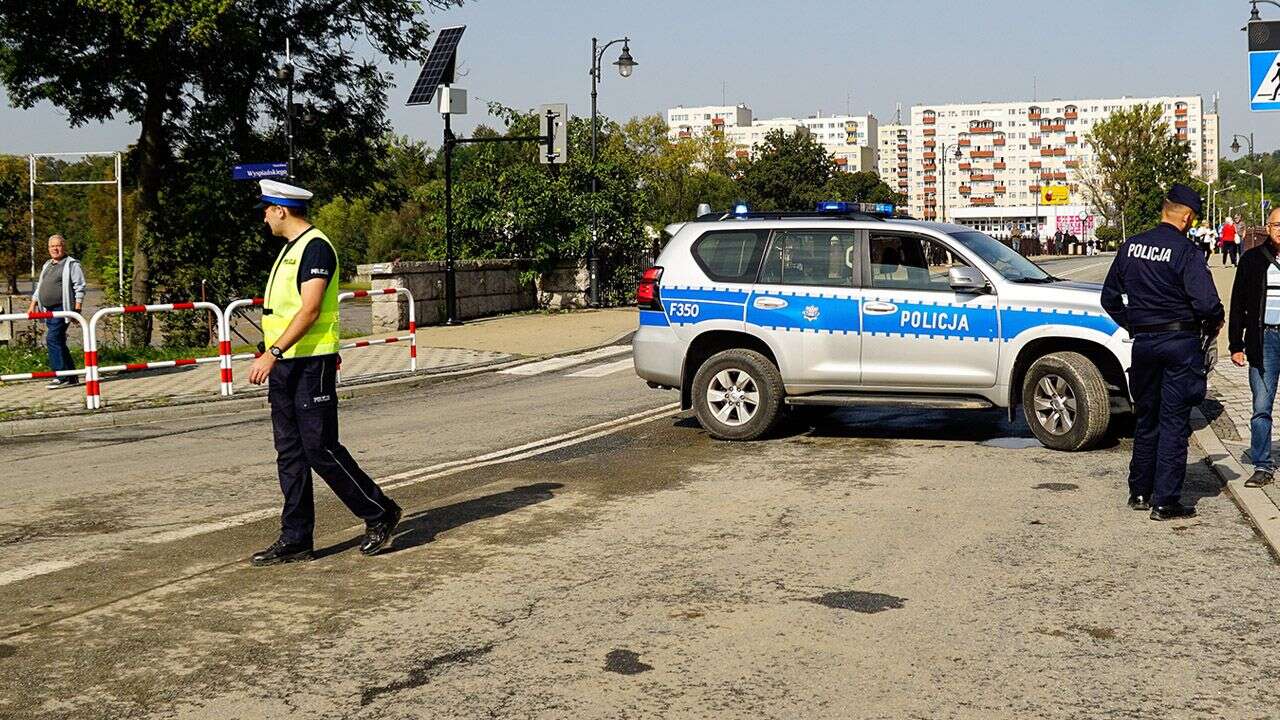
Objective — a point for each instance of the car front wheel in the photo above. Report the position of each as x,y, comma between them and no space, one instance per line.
1064,400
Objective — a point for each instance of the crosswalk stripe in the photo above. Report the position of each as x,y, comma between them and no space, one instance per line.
560,363
606,369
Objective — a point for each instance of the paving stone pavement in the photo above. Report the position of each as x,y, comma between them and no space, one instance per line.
1229,385
175,385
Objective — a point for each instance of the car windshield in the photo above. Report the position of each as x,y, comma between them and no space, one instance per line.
1011,266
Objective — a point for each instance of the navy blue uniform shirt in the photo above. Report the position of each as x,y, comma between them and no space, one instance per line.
1166,280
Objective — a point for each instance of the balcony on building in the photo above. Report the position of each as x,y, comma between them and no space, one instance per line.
1059,175
1033,140
1180,124
1034,164
742,153
929,166
998,142
982,126
982,201
1034,188
930,155
930,132
842,161
1053,127
930,178
999,165
1180,110
964,142
930,144
1046,152
999,189
965,166
684,133
1033,113
1072,139
1072,163
982,177
902,174
902,147
982,154
1071,115
929,118
931,191
965,189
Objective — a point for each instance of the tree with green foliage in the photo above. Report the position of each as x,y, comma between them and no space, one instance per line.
1246,189
864,186
1136,158
786,172
13,222
198,77
682,173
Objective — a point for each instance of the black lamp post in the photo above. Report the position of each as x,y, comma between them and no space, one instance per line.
1235,142
285,74
942,157
625,65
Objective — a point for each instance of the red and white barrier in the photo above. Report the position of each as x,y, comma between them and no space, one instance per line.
93,387
224,343
411,338
87,344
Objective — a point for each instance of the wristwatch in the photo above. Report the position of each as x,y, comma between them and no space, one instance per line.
276,352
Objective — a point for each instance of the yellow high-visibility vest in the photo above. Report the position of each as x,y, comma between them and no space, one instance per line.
284,301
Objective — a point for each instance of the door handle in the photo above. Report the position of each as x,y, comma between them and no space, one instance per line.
769,303
879,308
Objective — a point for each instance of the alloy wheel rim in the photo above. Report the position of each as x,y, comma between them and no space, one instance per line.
733,397
1055,405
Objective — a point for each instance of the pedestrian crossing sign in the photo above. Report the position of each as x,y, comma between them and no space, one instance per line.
1264,80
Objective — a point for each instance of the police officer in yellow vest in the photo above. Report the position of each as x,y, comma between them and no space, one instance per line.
300,331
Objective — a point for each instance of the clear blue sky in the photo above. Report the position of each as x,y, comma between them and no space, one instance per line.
798,57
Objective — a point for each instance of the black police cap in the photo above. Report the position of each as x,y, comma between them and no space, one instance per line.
1184,195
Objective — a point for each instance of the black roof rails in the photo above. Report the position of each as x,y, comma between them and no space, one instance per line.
788,215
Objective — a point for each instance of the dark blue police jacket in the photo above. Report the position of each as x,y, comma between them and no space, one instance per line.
1166,280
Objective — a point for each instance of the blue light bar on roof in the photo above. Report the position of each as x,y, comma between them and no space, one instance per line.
740,208
839,206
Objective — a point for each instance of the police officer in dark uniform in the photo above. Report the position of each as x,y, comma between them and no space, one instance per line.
1171,305
300,331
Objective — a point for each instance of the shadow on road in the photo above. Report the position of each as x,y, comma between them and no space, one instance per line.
421,528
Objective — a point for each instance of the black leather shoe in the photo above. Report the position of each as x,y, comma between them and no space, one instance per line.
379,533
1260,478
282,552
1139,502
1172,512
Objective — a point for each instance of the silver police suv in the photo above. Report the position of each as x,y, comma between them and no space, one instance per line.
751,314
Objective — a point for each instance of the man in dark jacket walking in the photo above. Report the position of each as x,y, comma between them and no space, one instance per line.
1254,337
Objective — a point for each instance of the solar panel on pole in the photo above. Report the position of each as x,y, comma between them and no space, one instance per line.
439,66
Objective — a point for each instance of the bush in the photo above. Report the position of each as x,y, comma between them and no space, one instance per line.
1109,237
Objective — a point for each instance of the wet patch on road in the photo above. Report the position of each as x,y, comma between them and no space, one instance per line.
1011,443
858,601
1056,486
625,662
421,675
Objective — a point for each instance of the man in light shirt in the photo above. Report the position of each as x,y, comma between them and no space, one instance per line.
61,287
1254,337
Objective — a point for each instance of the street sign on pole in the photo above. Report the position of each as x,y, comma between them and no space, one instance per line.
260,171
1264,65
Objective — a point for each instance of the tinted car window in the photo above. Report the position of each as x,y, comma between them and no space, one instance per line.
911,262
731,255
810,258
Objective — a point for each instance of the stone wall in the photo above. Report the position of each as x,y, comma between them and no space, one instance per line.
485,287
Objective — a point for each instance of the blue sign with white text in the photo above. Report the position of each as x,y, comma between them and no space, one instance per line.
260,171
1264,80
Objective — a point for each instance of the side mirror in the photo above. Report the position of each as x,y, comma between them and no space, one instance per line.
966,279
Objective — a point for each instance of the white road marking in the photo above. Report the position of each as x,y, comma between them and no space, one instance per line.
388,482
560,363
607,369
1072,271
34,569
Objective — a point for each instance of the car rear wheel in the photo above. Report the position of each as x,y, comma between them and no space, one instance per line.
737,395
1064,400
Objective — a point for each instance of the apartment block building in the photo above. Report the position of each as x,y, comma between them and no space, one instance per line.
849,138
892,150
984,164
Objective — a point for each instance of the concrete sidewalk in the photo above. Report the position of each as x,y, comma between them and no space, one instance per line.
475,344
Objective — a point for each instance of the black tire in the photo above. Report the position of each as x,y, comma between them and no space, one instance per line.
1076,382
745,369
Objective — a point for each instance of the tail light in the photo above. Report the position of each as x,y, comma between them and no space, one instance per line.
647,291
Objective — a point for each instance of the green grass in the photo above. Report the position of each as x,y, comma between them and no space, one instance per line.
20,359
351,285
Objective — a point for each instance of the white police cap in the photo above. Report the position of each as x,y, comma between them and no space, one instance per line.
275,192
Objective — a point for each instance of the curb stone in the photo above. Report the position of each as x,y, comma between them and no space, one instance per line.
217,406
1253,502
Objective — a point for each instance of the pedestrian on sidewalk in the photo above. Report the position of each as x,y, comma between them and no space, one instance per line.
61,286
1227,241
1171,301
300,332
1254,337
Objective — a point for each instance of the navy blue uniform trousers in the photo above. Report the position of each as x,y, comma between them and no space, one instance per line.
304,419
1167,379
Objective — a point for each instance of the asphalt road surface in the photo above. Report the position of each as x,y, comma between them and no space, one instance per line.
571,548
